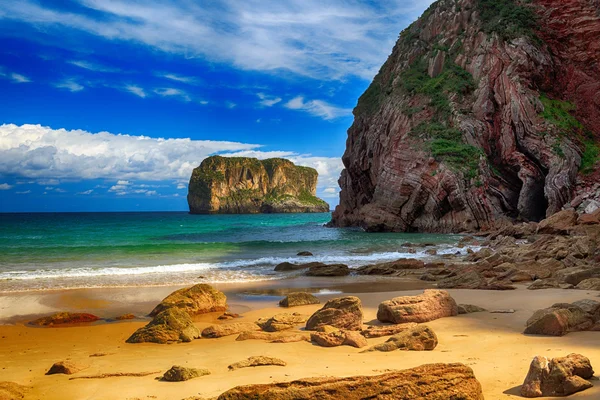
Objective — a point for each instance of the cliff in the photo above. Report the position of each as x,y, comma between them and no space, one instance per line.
485,113
238,185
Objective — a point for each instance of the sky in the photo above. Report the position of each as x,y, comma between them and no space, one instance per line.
108,105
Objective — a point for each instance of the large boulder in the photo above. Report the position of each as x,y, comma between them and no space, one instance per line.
178,373
217,331
559,223
430,305
419,338
561,376
65,318
298,299
338,337
558,320
589,284
432,382
575,275
169,326
281,322
198,299
329,270
287,266
342,313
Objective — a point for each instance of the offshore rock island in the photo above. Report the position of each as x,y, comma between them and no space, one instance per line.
241,185
485,113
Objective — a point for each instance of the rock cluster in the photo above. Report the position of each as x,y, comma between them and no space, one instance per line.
281,322
561,376
419,338
328,336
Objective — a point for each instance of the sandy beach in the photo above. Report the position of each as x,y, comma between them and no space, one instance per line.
492,344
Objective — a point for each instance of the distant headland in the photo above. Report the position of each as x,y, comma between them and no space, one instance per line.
242,185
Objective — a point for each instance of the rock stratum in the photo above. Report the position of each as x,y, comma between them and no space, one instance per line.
485,113
240,185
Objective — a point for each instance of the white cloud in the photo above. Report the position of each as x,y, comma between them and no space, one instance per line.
172,92
181,186
5,186
25,192
121,193
138,91
19,78
59,190
330,190
230,104
179,78
122,182
307,37
203,102
151,193
70,85
48,188
47,155
86,192
318,108
93,66
266,100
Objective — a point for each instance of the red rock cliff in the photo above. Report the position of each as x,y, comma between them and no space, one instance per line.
486,112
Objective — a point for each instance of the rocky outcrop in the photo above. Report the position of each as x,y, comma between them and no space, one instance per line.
178,373
217,331
563,318
328,270
333,337
198,299
419,338
238,185
65,318
342,313
432,381
257,361
387,330
296,299
288,266
281,322
561,376
170,326
430,305
482,115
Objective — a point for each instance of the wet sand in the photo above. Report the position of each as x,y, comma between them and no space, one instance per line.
492,344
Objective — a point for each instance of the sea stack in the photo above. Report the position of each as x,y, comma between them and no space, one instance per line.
484,114
242,185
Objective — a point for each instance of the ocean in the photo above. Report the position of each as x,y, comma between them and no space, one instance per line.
44,251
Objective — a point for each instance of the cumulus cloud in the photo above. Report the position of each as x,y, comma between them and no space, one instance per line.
5,186
318,108
49,155
313,38
69,84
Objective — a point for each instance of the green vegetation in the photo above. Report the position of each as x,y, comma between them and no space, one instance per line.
370,100
510,19
590,157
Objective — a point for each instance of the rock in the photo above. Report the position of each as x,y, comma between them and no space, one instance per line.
589,219
430,305
520,277
228,316
178,373
66,367
241,185
257,361
387,330
169,326
12,391
328,270
338,338
559,223
198,299
65,318
544,284
217,331
391,268
503,311
304,254
561,376
589,284
343,313
286,266
469,308
446,381
274,337
298,299
419,338
281,322
591,307
558,320
471,280
575,275
125,317
592,207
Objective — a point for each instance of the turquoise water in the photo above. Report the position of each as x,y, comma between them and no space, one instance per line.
50,251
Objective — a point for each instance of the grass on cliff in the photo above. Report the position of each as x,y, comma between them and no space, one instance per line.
510,19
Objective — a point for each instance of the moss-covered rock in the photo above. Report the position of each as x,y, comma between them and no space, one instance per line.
241,185
170,326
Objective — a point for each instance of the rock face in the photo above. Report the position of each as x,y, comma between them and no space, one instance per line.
479,117
342,313
561,376
419,338
170,326
198,299
432,382
65,318
296,299
237,185
178,373
430,305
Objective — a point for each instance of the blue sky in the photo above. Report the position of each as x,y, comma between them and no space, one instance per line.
107,105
